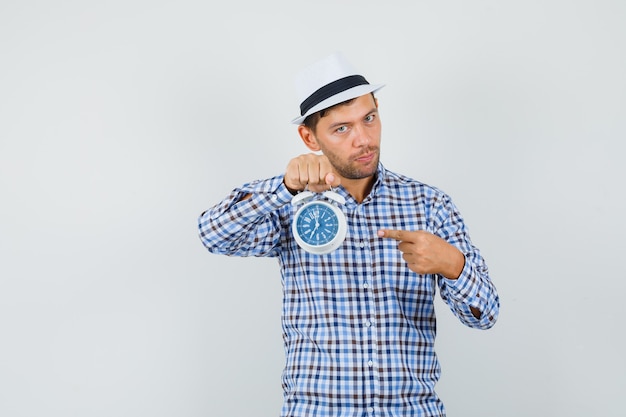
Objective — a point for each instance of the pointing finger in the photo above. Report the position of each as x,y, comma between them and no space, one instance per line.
391,234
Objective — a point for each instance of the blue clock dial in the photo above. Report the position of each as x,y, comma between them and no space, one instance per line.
317,224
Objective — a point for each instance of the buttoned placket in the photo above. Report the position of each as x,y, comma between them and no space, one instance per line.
369,331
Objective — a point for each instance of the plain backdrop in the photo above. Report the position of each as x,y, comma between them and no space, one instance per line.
121,121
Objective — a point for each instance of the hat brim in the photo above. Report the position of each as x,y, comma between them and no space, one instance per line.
348,94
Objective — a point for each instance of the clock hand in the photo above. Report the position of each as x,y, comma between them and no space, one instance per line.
317,220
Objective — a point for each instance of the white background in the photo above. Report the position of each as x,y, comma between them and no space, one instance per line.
121,121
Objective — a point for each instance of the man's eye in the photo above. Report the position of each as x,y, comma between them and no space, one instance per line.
341,129
369,118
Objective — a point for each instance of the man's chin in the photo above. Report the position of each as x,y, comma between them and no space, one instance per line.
362,172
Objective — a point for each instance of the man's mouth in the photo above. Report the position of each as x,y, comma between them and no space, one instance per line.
366,157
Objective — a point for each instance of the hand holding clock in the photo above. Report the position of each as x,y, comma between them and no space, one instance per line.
319,226
426,253
311,171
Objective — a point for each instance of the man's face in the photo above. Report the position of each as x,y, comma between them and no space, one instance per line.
349,136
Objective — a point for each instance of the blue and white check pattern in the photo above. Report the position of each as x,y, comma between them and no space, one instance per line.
358,325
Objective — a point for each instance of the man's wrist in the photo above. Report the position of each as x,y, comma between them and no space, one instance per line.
292,191
456,266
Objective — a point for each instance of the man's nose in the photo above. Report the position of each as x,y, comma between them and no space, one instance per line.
361,136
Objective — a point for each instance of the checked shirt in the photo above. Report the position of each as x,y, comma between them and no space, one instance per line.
358,325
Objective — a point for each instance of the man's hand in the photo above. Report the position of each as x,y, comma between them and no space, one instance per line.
426,253
312,170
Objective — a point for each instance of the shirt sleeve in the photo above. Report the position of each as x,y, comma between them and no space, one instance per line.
473,287
246,227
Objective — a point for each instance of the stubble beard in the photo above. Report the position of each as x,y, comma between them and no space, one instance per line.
350,169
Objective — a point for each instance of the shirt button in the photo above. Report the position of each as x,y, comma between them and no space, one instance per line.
366,285
371,409
362,245
274,197
370,363
368,323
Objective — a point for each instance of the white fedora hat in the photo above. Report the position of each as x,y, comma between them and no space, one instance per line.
327,82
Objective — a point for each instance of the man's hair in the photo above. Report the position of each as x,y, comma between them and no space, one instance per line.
312,119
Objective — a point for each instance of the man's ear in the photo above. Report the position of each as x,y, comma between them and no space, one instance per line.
308,138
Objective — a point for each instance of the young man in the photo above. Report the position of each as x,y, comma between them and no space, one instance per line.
359,322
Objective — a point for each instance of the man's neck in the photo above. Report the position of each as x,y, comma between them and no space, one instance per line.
360,188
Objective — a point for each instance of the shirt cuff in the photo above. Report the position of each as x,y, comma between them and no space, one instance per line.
462,287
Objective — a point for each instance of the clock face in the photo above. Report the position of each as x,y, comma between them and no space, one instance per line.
317,224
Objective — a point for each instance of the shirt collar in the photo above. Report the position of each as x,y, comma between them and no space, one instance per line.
380,175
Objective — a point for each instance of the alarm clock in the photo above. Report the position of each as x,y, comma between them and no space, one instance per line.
319,226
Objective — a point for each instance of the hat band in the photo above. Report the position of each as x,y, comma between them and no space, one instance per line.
330,90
